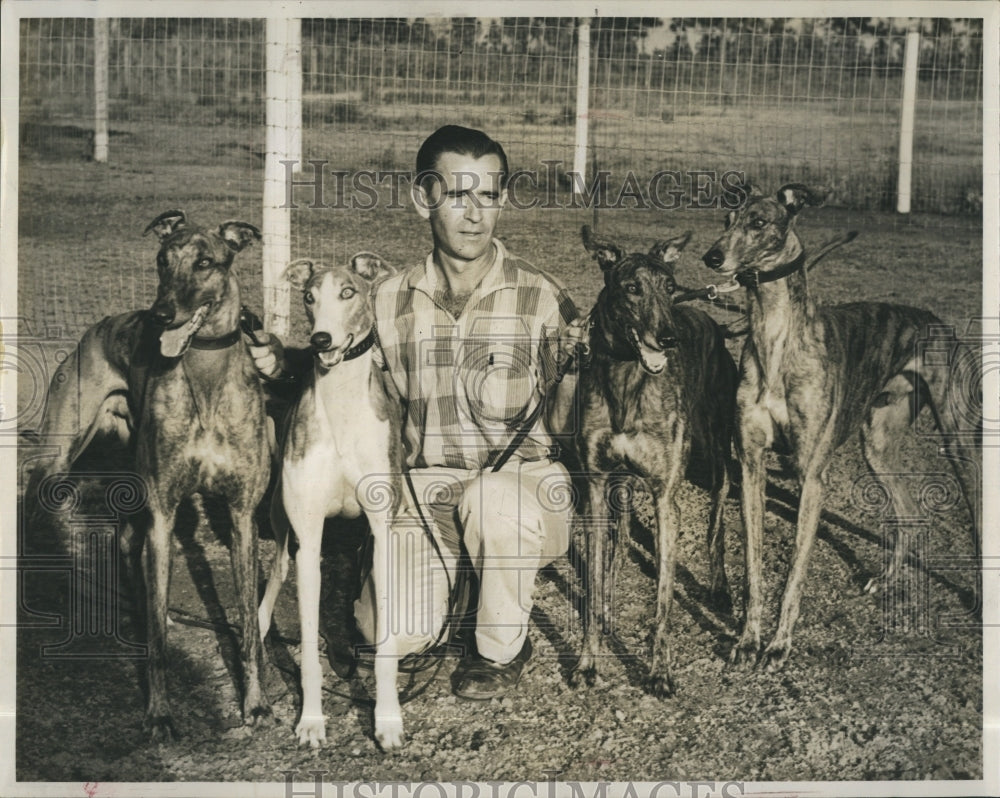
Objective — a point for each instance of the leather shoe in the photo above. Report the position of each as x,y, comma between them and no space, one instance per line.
480,679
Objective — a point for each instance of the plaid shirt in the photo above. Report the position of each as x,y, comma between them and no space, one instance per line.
467,383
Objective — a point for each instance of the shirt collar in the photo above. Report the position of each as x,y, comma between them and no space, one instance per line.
500,275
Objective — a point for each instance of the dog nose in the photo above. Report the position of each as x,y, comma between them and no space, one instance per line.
714,258
162,313
321,341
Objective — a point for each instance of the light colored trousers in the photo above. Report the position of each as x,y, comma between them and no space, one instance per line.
511,523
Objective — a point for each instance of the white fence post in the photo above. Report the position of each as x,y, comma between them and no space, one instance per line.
293,66
101,90
582,103
906,121
281,59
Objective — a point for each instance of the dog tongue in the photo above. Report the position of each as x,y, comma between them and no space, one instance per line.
654,360
174,342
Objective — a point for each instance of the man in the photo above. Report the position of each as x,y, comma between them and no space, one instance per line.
471,339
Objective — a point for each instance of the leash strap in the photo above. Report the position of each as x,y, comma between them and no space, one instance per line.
499,461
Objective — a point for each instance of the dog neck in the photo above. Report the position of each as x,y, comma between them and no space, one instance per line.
222,329
780,312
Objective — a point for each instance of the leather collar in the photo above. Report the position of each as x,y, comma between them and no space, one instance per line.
218,342
754,278
362,346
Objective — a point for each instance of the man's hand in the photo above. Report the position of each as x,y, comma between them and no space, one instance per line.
574,337
269,358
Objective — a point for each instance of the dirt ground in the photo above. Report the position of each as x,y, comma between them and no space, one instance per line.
876,688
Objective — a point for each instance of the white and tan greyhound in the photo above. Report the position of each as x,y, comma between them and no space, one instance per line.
340,457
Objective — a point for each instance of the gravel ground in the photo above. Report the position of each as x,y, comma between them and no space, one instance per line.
874,690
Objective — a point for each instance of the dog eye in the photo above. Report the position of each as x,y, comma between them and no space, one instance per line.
633,288
204,263
347,292
308,297
758,224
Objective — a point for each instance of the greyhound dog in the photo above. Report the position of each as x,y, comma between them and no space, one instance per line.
178,385
812,376
660,383
340,456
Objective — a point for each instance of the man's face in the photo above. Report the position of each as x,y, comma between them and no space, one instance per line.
464,206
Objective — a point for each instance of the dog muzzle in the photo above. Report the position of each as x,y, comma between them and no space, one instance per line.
652,358
174,341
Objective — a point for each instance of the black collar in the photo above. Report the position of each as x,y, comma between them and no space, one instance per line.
754,278
362,346
219,342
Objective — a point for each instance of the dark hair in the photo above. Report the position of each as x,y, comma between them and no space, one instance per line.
460,140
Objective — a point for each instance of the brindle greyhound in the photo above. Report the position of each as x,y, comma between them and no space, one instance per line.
177,384
812,376
340,457
659,384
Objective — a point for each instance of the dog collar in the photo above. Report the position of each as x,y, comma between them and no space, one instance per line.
754,278
218,342
362,346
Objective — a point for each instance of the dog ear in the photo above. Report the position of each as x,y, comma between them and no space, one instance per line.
795,196
743,189
238,235
669,251
298,273
371,266
606,251
166,223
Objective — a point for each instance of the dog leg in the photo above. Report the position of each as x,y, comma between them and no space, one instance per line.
311,728
156,559
660,682
84,396
880,442
719,588
600,566
243,555
959,413
279,572
810,506
388,713
753,444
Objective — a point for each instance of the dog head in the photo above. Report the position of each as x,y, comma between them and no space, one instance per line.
759,234
337,300
636,304
194,277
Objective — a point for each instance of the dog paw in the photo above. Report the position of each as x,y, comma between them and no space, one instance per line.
746,651
583,676
161,728
311,730
660,685
389,732
257,715
775,655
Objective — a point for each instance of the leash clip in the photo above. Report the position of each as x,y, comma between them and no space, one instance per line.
726,288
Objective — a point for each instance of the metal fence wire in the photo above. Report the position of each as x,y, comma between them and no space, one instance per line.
816,100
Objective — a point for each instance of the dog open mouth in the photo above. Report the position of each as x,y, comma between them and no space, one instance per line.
652,358
328,358
174,341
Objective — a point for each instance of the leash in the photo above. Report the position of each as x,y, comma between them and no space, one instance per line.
496,462
755,278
